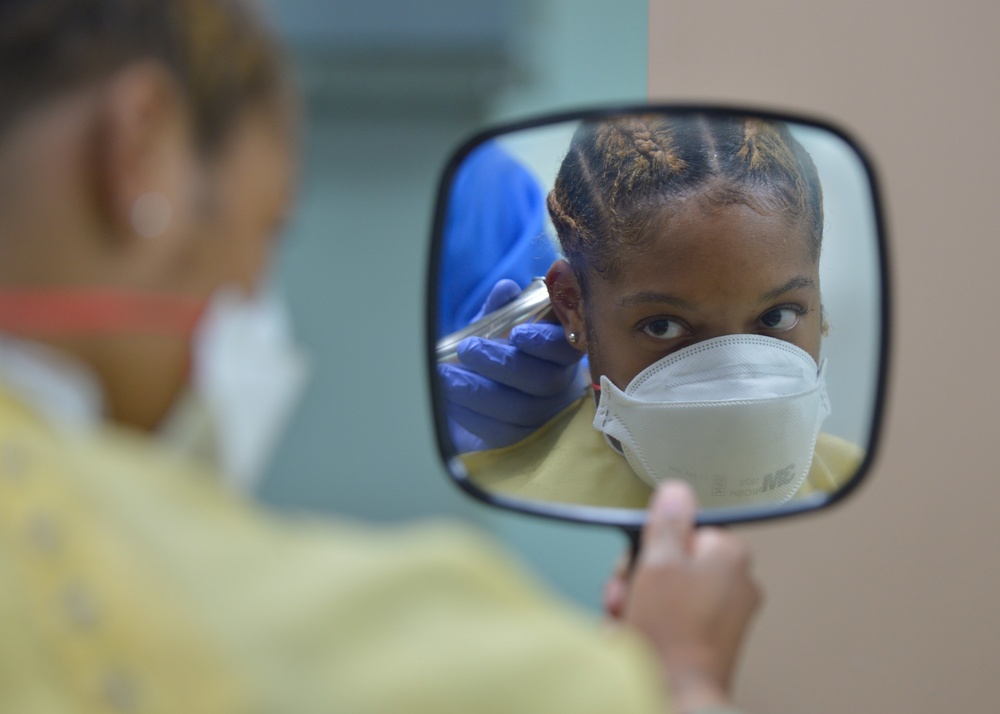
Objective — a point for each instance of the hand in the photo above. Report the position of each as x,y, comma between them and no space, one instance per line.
691,595
504,391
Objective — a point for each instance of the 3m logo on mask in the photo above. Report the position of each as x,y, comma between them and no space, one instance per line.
779,478
758,486
719,486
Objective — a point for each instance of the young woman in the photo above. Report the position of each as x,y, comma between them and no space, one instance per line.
691,282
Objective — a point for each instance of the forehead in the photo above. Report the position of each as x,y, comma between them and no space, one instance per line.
714,250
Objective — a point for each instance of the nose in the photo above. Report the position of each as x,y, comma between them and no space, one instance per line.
722,328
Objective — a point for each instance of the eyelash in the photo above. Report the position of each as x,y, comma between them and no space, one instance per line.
799,310
641,327
794,307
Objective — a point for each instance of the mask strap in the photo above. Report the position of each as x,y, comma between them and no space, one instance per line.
97,311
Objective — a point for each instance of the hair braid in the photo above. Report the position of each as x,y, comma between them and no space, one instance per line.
610,166
621,172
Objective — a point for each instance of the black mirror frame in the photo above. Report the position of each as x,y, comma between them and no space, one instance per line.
633,519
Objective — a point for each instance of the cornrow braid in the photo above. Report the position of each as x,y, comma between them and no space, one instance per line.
620,172
776,166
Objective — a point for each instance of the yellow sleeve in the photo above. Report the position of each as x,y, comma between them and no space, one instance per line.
835,462
132,582
435,620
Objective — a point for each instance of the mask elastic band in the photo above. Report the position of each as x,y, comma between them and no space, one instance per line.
95,311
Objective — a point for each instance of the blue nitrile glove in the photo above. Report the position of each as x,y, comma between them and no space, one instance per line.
503,391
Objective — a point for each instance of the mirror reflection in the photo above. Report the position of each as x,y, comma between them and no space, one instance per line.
649,296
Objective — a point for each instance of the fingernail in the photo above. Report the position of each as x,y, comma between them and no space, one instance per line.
672,500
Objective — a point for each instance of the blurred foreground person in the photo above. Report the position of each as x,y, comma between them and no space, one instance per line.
145,164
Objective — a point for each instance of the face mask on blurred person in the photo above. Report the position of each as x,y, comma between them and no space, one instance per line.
245,372
246,377
735,416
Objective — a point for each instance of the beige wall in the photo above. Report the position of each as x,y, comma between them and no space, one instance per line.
891,602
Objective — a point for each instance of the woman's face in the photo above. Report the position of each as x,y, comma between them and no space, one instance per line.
709,271
226,238
245,197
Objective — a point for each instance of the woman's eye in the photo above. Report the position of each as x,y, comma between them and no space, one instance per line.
664,329
780,318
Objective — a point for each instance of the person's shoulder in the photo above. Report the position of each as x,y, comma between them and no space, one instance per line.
489,636
835,462
835,448
456,621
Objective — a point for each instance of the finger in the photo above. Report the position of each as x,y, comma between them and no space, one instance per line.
718,543
492,433
615,592
721,549
725,558
623,565
669,532
463,439
513,368
510,407
501,294
485,396
614,597
474,392
545,340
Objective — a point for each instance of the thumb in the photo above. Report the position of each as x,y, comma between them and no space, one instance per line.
669,532
501,294
616,589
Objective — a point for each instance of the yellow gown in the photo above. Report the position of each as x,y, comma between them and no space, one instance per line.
131,581
568,461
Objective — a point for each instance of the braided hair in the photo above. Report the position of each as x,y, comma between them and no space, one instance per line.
621,173
220,53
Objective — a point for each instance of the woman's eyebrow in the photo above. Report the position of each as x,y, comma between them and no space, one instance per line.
643,297
799,282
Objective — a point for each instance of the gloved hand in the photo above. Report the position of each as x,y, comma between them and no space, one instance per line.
503,391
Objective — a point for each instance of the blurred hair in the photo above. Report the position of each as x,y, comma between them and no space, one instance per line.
221,54
621,174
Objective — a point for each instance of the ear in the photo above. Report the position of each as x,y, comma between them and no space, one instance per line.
144,153
567,301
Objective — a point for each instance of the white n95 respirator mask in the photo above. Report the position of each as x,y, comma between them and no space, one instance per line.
246,376
736,417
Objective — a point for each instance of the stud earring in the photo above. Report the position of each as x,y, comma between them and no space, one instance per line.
573,338
151,214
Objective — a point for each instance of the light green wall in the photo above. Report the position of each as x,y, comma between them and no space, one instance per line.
362,443
579,52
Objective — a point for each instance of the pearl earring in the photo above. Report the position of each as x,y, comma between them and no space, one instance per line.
151,214
573,338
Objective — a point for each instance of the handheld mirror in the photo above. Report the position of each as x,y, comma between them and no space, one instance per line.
620,297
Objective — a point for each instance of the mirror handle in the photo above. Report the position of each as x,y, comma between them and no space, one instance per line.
633,535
